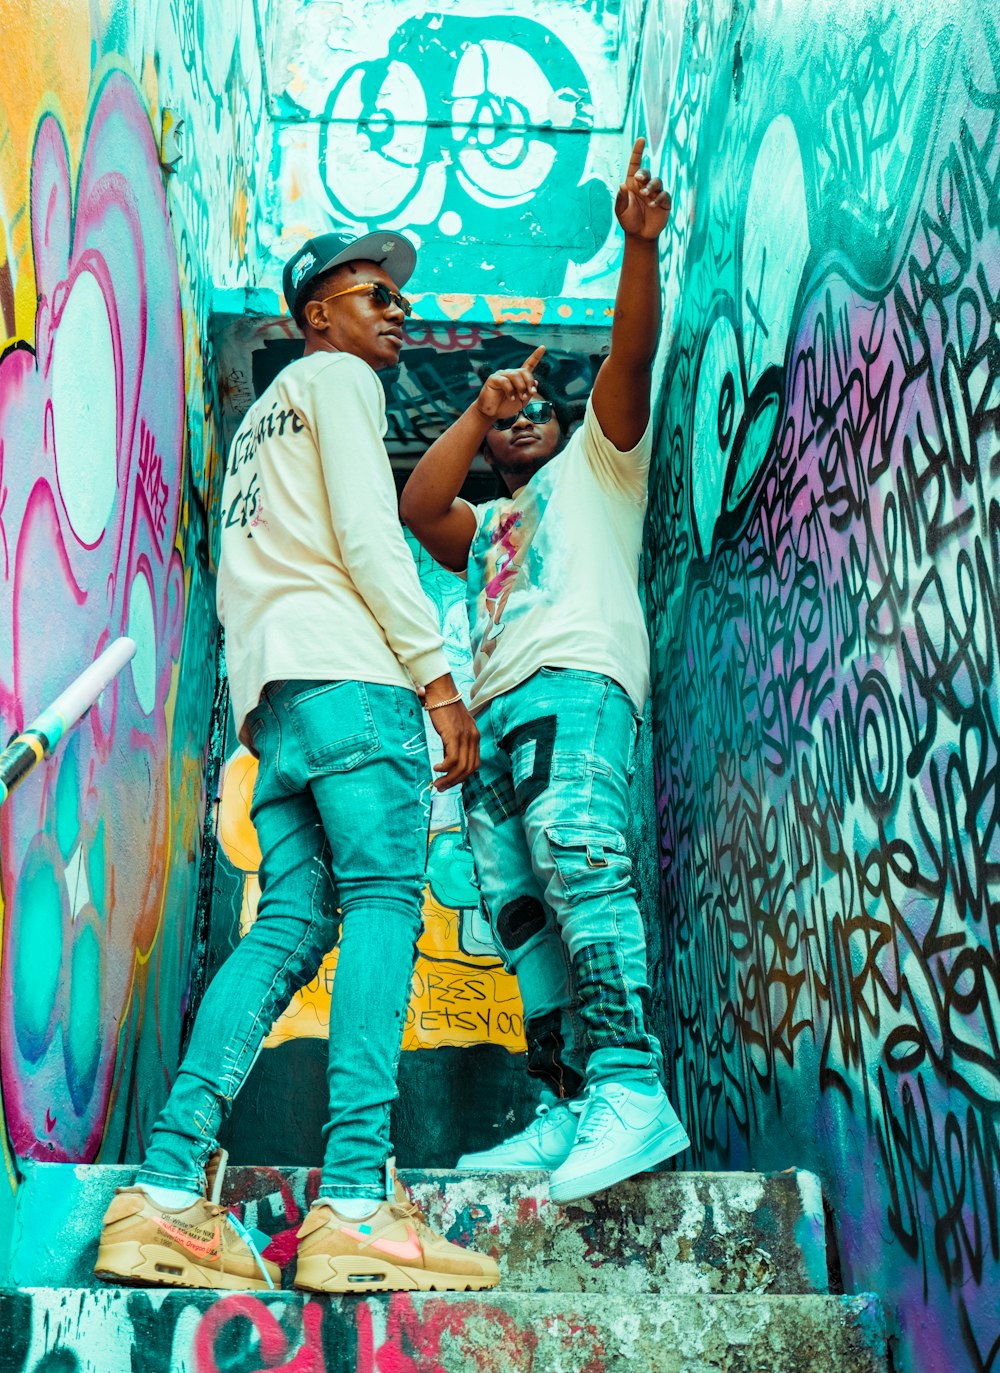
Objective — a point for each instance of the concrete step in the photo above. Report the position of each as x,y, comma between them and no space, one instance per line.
124,1330
662,1233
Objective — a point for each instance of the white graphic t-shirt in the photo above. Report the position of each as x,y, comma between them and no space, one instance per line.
315,578
553,571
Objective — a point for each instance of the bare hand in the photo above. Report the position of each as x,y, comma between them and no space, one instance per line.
460,738
505,393
642,205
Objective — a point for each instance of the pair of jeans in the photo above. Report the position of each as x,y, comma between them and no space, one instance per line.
547,814
340,805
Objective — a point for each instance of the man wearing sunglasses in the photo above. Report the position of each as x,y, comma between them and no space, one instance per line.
561,664
328,637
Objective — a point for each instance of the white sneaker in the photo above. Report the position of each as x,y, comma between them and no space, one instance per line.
544,1144
621,1132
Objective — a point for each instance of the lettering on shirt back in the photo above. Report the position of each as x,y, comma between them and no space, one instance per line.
245,506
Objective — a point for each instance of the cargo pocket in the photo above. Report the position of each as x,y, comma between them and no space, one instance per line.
589,860
334,727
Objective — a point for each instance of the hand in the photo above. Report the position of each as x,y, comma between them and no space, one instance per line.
505,393
642,205
458,732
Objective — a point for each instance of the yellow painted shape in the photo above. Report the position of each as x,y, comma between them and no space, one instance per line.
236,831
454,304
457,998
516,309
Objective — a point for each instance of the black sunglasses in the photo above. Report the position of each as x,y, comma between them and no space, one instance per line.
536,411
380,293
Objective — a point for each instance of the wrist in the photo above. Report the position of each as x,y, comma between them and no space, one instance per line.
636,242
482,421
439,690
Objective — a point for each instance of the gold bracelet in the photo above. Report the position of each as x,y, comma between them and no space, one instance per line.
439,705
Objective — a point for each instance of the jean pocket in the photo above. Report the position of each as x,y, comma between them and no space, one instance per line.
334,726
591,860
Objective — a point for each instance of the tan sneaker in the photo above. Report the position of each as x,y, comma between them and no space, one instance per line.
201,1245
394,1250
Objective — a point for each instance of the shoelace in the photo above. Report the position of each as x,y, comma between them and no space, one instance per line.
596,1114
409,1210
542,1110
247,1239
214,1174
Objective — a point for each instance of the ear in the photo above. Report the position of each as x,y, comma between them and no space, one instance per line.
315,316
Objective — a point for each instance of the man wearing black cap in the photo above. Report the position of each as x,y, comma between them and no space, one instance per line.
328,636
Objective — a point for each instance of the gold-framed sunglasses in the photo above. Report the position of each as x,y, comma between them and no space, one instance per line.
380,293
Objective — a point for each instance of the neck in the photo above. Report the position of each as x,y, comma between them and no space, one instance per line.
514,476
319,343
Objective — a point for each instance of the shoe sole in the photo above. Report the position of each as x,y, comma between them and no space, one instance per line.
326,1273
133,1264
673,1140
506,1166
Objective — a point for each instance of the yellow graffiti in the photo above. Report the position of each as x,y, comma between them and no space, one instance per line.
458,998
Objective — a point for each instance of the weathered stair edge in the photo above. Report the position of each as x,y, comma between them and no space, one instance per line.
119,1330
665,1232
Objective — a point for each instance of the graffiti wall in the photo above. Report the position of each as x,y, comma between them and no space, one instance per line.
480,129
824,592
108,453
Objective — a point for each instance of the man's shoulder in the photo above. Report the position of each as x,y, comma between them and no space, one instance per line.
347,367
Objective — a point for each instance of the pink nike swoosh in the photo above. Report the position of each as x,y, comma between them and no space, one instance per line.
397,1249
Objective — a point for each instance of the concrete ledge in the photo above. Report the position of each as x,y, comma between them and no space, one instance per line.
664,1233
122,1330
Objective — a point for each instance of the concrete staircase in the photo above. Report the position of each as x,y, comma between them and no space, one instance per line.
671,1273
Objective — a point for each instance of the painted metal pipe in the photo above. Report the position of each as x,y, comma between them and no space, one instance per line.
40,737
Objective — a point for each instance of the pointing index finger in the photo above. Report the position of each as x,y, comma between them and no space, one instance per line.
535,359
635,161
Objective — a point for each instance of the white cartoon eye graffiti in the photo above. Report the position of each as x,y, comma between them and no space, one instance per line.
142,628
372,150
500,97
740,372
775,248
85,408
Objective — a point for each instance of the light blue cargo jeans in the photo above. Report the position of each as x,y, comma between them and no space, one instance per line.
340,806
547,814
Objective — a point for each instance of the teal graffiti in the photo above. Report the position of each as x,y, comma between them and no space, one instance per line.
457,127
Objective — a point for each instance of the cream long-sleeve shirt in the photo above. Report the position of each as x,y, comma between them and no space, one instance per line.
315,579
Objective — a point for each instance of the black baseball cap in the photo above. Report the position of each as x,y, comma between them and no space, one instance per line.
317,255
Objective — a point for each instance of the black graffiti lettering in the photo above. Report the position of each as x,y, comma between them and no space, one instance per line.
827,748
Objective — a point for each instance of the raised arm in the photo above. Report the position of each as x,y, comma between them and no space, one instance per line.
429,504
621,391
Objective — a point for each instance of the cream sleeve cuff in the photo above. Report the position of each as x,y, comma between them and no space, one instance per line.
428,667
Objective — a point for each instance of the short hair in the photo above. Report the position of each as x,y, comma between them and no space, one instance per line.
314,290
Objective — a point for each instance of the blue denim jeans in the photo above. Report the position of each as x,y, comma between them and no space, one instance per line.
547,813
340,806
